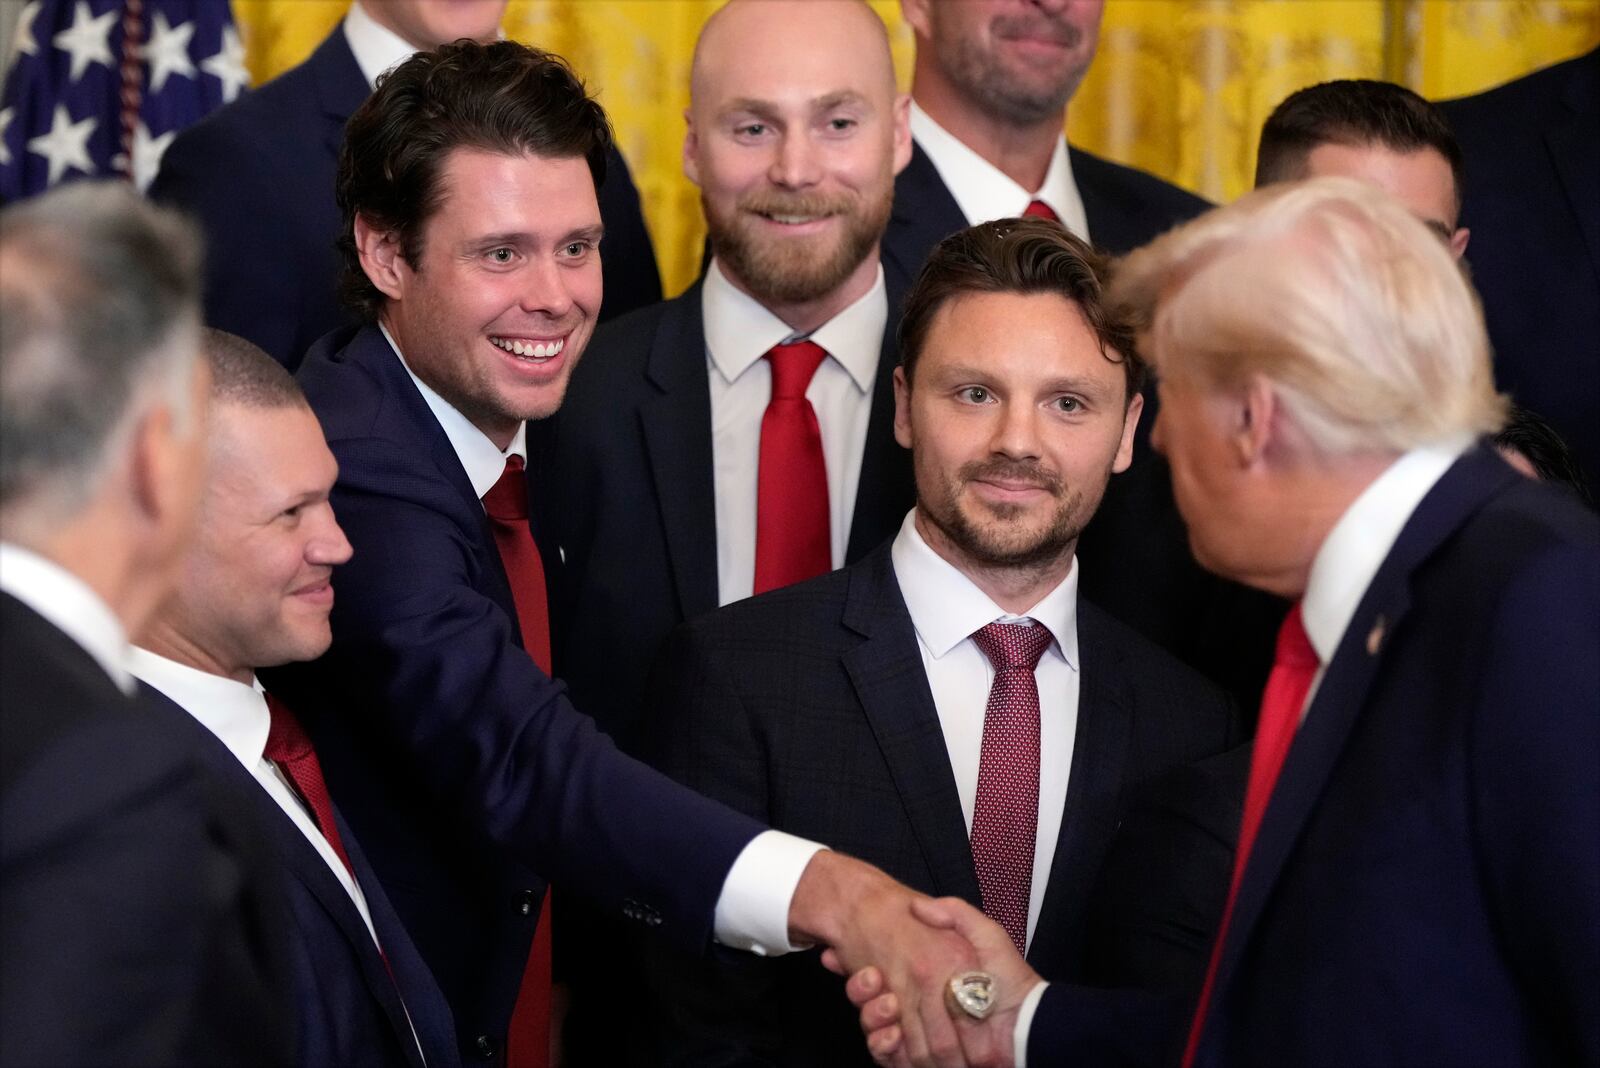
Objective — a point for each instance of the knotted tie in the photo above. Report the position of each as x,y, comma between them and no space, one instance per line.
528,1044
290,749
1039,209
1293,667
792,532
1005,815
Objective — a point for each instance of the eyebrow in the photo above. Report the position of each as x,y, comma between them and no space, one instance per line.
1445,232
1067,383
767,109
583,233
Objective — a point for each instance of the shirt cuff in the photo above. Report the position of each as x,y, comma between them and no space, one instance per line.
753,911
1019,1034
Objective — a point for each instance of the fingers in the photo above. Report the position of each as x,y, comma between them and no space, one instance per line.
864,986
831,961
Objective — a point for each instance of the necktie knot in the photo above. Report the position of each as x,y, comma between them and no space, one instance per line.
1294,644
1040,210
287,741
507,499
793,365
1013,645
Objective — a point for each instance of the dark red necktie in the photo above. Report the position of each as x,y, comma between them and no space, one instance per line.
1039,209
793,542
528,1044
1005,815
1293,667
290,749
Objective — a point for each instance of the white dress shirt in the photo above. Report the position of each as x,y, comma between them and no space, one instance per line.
946,609
983,191
377,48
237,714
752,912
739,332
66,601
1345,565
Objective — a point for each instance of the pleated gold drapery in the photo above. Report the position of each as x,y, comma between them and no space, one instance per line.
1179,87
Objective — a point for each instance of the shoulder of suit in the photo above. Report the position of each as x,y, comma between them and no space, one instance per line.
1142,660
1104,174
1519,102
811,607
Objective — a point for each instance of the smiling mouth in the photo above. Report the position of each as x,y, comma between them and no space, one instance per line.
791,220
528,349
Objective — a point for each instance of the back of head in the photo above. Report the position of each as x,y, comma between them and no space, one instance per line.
1354,112
1337,295
242,373
501,97
99,302
1025,256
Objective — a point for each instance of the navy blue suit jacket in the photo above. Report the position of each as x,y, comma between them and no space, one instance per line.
462,767
350,1004
1532,199
135,926
260,173
1425,885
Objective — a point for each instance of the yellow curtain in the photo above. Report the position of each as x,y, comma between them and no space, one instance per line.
1179,87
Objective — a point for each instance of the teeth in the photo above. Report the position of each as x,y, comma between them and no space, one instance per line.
791,220
535,350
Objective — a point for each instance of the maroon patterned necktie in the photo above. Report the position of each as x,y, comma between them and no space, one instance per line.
290,749
1039,209
1005,816
793,542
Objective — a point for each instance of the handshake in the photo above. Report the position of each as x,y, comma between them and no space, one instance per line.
937,982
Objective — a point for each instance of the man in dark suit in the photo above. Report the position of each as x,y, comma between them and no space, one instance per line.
132,927
869,707
1532,168
667,483
255,590
1419,872
457,759
259,175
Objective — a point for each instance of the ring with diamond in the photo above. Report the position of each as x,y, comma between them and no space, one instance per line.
973,993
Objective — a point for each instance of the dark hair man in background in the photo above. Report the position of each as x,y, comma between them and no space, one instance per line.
133,928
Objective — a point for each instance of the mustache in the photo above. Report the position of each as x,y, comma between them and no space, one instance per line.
769,202
1038,26
1000,469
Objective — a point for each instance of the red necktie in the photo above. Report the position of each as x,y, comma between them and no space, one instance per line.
1039,209
1005,815
1293,668
792,533
528,1043
290,749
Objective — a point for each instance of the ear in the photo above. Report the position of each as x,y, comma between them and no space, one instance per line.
1130,424
1458,241
915,12
380,258
902,132
691,148
902,408
1252,415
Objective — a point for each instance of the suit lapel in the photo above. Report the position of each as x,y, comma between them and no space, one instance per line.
1099,755
1345,686
884,489
677,436
924,213
340,85
886,671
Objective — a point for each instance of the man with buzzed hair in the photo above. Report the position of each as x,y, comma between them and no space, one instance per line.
133,926
1376,132
255,591
739,438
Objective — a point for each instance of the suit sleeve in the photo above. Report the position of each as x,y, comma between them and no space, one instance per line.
487,734
1537,793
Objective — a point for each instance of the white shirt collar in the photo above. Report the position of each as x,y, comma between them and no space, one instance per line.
946,607
481,458
234,711
740,330
66,601
377,48
983,191
1360,541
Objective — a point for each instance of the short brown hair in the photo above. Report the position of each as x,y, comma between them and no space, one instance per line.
500,97
243,373
1024,255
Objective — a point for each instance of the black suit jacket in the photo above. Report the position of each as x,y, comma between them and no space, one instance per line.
259,174
808,708
465,771
351,1004
629,492
134,924
1532,199
1425,884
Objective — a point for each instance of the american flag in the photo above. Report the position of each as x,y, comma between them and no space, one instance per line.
101,87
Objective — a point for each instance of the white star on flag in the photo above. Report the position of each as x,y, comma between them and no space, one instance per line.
5,125
22,43
66,145
227,66
168,51
147,153
88,39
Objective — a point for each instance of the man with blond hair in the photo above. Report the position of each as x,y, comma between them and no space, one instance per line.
1418,878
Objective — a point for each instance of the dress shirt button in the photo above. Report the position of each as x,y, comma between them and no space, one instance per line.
527,901
485,1047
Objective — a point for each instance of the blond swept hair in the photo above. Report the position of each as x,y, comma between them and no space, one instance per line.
1355,312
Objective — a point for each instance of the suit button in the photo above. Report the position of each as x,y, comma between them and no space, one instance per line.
485,1047
527,901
